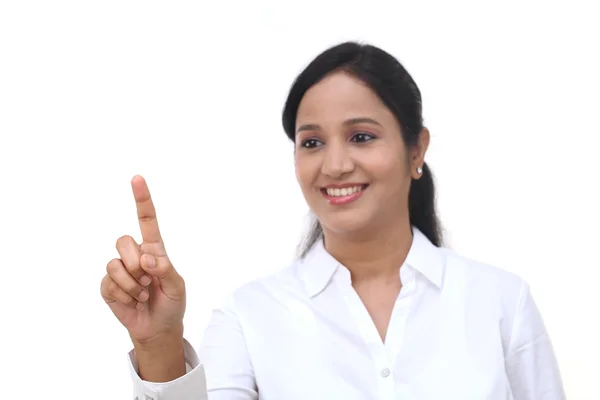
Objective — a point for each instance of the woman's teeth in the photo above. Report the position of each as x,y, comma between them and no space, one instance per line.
343,192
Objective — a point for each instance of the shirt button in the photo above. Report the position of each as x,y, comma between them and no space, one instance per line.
385,372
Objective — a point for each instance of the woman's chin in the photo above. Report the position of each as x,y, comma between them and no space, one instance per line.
346,225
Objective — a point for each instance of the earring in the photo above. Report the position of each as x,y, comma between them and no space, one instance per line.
419,170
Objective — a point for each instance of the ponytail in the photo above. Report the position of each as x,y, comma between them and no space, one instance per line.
421,206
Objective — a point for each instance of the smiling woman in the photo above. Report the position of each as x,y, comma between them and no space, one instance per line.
373,307
372,128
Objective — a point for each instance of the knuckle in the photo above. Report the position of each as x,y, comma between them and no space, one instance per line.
113,266
123,241
147,217
179,283
128,300
134,270
133,289
104,284
112,289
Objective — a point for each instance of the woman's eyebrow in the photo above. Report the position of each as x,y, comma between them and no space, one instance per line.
348,122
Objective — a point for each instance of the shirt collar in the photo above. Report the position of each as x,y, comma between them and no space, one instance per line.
426,258
318,266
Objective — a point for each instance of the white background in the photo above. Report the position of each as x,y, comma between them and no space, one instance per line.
189,95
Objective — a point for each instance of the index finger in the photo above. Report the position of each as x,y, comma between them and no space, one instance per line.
145,210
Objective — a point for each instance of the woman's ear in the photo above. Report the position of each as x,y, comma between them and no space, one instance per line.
418,151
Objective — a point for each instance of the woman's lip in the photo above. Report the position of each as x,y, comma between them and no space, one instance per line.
340,200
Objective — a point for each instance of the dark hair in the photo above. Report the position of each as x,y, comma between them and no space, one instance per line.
398,91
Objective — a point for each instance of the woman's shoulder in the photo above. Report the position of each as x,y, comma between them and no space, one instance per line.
489,292
473,272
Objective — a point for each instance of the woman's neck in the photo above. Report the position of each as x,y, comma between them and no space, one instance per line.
379,254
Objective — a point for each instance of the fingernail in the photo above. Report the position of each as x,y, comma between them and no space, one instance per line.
145,280
140,306
144,295
150,262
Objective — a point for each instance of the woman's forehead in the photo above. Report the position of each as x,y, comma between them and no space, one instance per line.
340,96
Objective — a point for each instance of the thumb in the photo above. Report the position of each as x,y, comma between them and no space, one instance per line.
161,268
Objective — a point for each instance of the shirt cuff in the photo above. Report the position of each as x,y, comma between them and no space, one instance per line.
191,386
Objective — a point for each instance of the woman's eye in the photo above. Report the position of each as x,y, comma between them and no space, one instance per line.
311,143
362,137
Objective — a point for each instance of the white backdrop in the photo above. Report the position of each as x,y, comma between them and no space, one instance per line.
189,95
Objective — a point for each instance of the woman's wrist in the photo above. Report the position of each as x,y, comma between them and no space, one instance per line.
162,358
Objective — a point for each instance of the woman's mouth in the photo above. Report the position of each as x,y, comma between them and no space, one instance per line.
343,195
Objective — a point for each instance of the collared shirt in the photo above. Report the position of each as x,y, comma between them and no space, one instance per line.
459,330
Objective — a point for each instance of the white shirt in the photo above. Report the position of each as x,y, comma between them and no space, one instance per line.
459,330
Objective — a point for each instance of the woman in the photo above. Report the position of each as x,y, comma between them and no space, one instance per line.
374,308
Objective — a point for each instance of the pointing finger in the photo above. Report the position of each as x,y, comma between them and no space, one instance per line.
145,211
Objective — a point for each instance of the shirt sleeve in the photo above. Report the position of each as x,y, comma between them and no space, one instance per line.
191,386
224,352
531,364
221,370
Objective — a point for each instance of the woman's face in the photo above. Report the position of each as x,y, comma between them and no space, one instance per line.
351,161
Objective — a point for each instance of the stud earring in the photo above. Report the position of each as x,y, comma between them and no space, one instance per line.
419,170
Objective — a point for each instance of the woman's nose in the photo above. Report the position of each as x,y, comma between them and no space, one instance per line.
337,162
